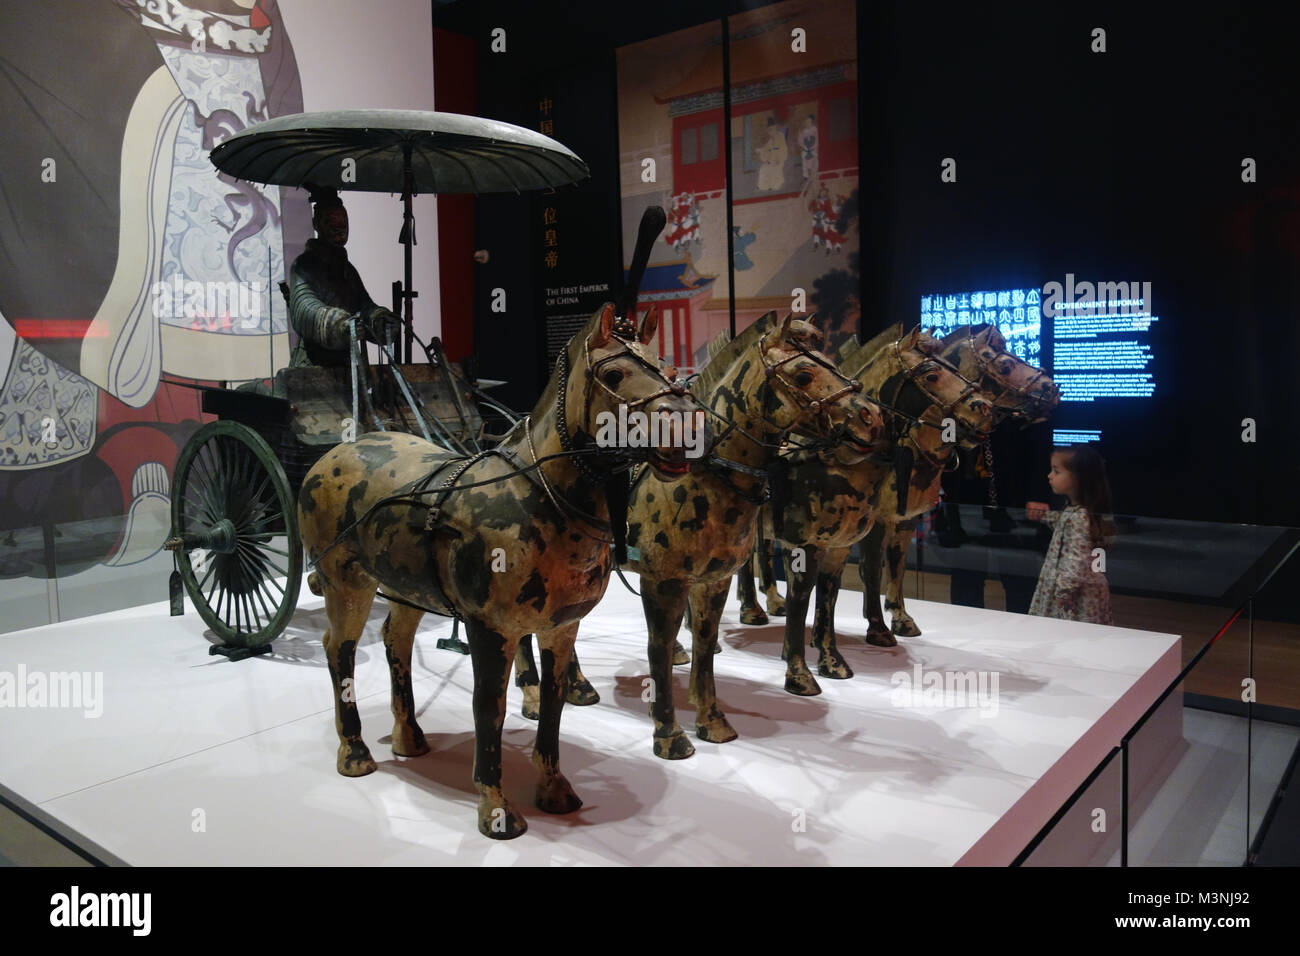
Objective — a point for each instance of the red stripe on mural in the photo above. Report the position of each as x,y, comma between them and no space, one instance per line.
744,202
56,329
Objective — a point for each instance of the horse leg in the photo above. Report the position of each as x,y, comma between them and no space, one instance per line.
554,794
896,564
347,609
750,612
526,677
707,601
832,663
799,584
664,602
775,603
873,546
491,654
399,636
679,653
581,693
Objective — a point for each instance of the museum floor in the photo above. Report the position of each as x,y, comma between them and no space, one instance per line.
251,744
248,747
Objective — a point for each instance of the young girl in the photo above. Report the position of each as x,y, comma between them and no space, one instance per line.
1068,587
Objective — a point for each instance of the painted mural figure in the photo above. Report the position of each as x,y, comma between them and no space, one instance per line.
826,211
820,208
683,221
832,237
772,156
743,240
325,290
808,149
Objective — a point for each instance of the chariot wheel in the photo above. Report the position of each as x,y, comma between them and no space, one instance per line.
235,534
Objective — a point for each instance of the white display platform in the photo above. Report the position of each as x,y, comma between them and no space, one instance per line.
247,748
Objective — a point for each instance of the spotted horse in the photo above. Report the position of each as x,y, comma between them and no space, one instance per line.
821,508
769,385
1019,391
513,540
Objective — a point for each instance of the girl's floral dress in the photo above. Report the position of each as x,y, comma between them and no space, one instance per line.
1068,587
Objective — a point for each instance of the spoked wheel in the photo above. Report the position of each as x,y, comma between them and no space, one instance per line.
235,534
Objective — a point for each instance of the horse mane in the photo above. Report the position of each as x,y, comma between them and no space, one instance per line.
855,363
724,351
848,347
964,330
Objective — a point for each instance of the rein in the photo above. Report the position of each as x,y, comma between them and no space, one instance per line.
912,374
420,488
1004,388
772,371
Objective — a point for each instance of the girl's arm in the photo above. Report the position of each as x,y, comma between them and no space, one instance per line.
1038,511
1075,568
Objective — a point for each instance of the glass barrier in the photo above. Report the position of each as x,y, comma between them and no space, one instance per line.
1194,780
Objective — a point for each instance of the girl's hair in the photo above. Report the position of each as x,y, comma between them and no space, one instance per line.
1093,489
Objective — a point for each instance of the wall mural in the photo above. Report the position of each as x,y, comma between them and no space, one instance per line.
126,257
794,170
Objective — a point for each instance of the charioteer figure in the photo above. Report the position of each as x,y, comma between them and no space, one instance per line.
325,292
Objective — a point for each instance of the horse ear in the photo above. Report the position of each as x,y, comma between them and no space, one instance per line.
913,338
602,334
783,333
649,326
818,337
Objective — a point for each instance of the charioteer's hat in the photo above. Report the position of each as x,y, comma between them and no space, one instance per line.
625,325
323,197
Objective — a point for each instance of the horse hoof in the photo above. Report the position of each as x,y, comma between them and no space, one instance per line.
802,684
752,615
834,667
313,584
532,708
716,730
679,654
354,759
581,694
500,822
880,639
905,627
557,796
676,747
409,741
776,608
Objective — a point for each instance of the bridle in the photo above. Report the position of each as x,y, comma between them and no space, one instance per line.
774,375
621,460
913,375
808,407
1020,397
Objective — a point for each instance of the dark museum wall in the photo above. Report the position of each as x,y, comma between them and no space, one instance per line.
1117,166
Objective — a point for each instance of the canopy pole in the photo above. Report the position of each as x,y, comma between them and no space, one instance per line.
408,240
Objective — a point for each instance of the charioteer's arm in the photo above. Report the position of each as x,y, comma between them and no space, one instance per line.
379,325
313,319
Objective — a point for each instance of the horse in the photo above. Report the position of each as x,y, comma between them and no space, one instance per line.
687,539
1018,391
513,540
822,508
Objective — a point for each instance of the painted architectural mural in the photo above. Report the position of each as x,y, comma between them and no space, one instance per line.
127,262
794,169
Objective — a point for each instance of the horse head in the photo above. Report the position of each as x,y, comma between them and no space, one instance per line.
619,396
921,391
810,397
1019,390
